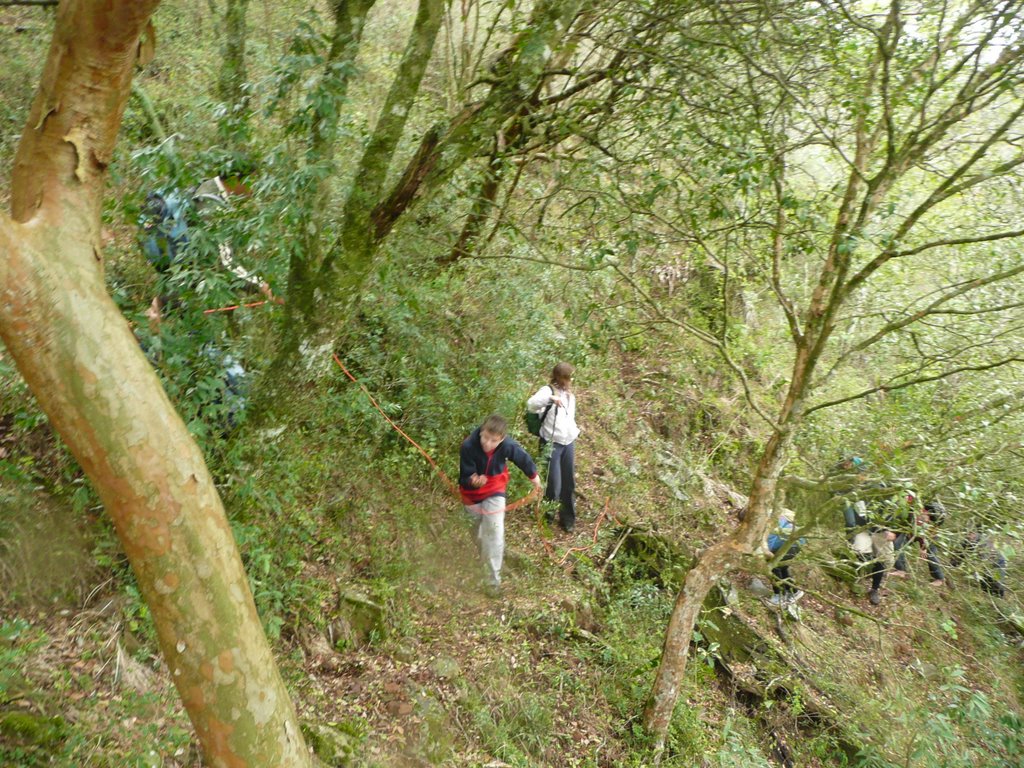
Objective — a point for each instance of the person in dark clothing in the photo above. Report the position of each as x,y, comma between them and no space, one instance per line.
483,478
868,517
931,516
167,222
890,513
986,564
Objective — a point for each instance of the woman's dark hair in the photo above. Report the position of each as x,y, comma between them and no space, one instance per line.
561,375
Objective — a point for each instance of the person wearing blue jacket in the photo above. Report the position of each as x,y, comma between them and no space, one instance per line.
483,479
783,589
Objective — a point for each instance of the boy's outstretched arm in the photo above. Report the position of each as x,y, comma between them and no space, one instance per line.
525,462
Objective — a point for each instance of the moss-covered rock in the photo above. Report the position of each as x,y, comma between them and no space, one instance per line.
28,729
646,554
359,619
335,744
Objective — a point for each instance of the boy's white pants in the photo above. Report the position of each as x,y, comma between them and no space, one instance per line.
488,519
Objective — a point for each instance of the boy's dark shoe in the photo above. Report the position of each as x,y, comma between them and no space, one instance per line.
874,597
569,528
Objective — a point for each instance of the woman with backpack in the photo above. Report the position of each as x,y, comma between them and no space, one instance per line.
557,405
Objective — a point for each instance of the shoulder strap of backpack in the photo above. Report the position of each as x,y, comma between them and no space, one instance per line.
544,413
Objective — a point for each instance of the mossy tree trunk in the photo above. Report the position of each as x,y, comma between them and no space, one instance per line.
325,277
357,241
82,362
231,83
231,80
714,563
301,317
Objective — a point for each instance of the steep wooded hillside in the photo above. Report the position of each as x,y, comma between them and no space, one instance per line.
779,243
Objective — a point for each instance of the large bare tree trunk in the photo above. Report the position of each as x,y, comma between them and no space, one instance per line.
78,355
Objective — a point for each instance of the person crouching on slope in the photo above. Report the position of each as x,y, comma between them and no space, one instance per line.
783,589
483,478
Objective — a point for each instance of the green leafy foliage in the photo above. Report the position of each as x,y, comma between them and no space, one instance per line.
638,249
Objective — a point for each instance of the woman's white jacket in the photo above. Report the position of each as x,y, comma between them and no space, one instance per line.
560,424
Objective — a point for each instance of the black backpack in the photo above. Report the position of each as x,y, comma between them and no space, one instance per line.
534,421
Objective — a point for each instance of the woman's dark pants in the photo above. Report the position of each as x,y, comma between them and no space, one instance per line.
562,483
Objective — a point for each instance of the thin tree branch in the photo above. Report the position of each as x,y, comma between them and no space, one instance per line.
934,307
939,194
463,137
960,241
778,248
913,382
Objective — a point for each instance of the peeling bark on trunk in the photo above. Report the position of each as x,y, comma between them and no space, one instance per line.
82,362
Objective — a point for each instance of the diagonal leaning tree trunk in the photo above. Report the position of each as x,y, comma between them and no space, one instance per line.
82,362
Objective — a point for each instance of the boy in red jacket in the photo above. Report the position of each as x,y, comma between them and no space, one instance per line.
483,478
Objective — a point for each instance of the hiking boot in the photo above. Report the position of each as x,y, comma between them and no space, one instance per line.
874,597
775,601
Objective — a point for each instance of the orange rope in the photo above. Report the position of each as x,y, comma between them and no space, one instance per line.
597,526
451,486
540,526
234,307
525,500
